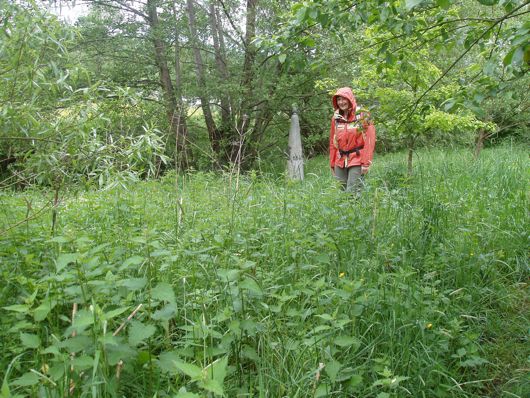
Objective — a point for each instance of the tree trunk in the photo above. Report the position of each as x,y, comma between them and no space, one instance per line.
480,142
220,62
213,134
248,73
173,111
182,155
222,50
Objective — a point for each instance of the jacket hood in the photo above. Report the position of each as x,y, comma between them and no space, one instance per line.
347,93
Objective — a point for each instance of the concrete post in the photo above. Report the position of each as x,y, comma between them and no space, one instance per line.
295,164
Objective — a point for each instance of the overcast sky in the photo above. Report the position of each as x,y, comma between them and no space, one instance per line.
68,12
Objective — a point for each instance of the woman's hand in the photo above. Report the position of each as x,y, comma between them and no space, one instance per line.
364,170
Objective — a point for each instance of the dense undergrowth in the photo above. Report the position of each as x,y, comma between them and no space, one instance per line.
258,287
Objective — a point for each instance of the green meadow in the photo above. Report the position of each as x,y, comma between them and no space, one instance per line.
226,285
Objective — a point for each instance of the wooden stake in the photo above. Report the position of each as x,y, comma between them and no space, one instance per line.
127,320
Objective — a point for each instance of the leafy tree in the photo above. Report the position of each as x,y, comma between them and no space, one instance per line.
416,48
58,125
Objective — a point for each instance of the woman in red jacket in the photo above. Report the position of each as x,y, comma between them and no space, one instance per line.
351,141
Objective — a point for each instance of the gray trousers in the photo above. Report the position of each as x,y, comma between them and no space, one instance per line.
350,178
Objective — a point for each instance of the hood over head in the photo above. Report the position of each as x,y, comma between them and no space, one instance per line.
347,93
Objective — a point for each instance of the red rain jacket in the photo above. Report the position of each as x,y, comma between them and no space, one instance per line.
354,130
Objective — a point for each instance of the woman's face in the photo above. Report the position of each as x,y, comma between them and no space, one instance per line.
343,103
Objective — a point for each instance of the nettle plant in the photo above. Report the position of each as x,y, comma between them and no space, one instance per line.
89,324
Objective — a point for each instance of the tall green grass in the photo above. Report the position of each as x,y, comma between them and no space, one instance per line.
270,288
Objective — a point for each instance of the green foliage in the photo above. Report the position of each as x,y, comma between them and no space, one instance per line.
59,127
257,287
395,56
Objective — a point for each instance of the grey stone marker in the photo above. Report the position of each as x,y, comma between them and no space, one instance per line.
295,164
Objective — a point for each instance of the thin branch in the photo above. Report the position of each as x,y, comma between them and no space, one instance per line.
30,139
122,6
498,21
227,14
46,206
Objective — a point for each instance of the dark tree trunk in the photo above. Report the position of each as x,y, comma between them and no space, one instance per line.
173,110
220,62
248,75
182,153
482,136
213,133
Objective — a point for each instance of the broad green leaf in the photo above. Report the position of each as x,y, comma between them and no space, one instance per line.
189,369
139,331
252,286
82,319
17,308
444,3
82,362
212,386
518,56
228,275
166,362
347,341
57,371
217,369
410,4
164,291
250,353
390,59
77,343
53,349
143,357
30,340
355,381
356,310
120,352
322,390
59,239
4,391
134,260
508,57
27,379
64,259
114,313
473,361
309,41
488,2
41,312
321,328
186,394
332,370
165,313
323,258
134,283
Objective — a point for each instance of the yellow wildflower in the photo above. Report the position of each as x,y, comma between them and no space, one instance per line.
341,275
429,326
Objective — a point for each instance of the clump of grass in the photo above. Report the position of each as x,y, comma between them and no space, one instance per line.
273,288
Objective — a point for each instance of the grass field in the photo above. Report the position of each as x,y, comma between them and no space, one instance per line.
254,286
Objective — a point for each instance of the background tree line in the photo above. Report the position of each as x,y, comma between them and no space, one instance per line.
136,87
